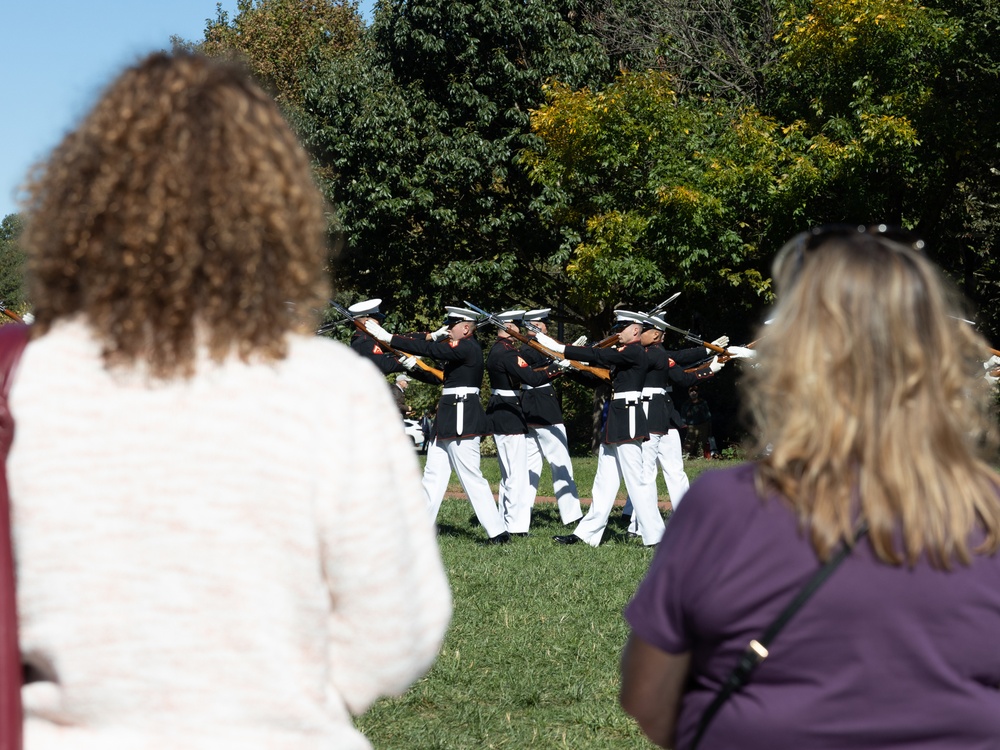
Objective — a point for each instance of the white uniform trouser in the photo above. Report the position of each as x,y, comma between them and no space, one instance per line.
462,457
552,443
614,464
663,450
515,508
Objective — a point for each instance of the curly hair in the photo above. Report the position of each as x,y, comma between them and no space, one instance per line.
180,213
869,400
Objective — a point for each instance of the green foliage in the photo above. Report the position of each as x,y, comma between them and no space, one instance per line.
12,292
907,89
652,190
417,136
277,37
867,110
480,150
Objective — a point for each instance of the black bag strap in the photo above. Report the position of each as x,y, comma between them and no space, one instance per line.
756,650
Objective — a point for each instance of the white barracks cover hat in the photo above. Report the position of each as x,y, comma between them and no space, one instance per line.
540,314
459,314
369,307
628,317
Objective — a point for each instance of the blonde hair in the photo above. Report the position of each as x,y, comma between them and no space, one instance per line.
181,210
869,402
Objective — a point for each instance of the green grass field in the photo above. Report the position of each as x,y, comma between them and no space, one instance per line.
531,658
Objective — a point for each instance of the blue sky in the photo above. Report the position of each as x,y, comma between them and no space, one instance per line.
56,57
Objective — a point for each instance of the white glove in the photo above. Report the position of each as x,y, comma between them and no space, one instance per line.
377,332
28,318
580,341
563,364
719,342
715,365
550,343
408,362
741,352
440,333
989,365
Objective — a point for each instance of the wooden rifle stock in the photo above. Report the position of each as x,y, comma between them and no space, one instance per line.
598,371
722,358
605,343
10,314
439,374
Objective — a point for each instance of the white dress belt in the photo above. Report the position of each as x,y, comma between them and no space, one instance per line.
626,395
505,393
461,390
526,387
653,391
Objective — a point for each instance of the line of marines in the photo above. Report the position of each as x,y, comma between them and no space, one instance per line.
639,435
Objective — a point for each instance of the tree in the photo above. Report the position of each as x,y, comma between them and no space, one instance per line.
418,137
873,69
710,47
856,119
11,262
277,38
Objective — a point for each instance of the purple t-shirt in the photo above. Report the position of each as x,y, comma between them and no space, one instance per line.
880,656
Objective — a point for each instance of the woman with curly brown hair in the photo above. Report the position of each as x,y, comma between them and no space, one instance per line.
192,477
872,422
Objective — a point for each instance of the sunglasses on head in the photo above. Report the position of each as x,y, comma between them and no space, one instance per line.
813,238
808,241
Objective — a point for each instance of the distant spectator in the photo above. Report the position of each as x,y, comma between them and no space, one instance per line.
698,418
399,394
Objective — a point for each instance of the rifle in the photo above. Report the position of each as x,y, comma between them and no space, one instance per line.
345,313
722,358
502,326
691,337
613,339
10,313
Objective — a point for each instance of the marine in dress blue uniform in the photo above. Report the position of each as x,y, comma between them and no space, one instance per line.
547,436
666,369
508,370
364,345
620,457
461,421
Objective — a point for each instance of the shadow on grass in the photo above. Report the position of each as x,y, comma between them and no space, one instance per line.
546,513
457,532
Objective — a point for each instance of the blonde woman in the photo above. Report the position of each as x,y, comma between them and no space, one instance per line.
194,474
869,408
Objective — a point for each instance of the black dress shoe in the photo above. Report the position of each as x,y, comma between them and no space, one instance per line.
568,539
503,538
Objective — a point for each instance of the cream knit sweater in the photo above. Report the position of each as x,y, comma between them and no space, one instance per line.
240,560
